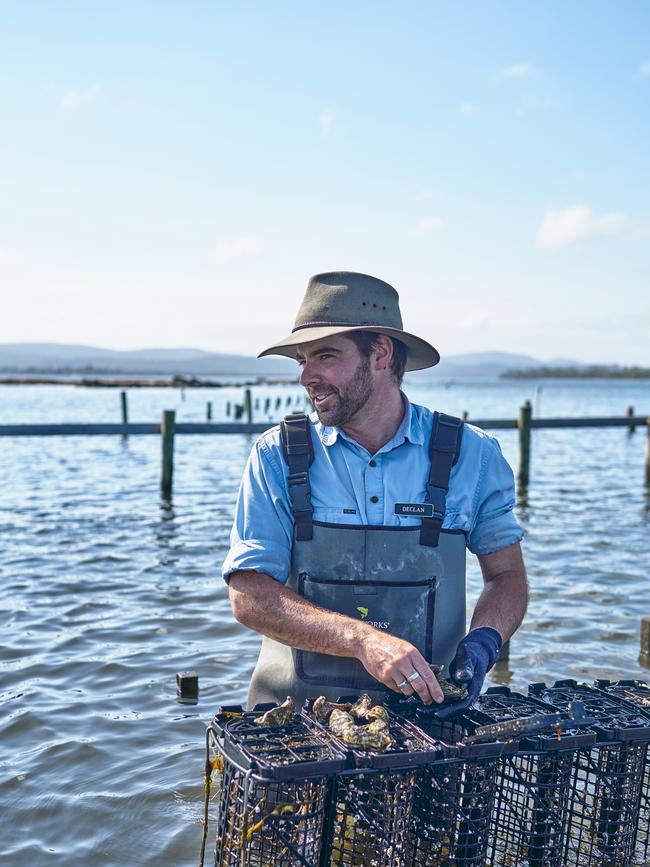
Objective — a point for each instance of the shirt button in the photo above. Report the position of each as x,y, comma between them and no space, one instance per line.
374,499
373,463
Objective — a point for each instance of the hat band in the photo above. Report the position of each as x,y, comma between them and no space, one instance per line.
342,324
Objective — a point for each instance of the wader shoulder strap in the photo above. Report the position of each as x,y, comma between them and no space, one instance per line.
444,448
295,432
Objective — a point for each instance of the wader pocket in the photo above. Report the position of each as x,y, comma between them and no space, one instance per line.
403,608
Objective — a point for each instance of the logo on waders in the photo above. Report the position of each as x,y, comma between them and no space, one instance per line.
378,624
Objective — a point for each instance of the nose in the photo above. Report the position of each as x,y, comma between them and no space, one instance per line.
308,375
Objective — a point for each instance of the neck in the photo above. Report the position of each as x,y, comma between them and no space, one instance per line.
378,420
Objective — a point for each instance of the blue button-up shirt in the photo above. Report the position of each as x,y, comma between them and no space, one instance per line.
351,486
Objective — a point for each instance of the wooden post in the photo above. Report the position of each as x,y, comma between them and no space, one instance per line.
523,423
645,635
228,409
248,406
629,412
167,426
465,415
208,411
125,407
267,405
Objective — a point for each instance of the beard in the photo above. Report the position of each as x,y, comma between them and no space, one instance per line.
346,401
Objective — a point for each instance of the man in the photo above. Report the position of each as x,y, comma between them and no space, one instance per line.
349,541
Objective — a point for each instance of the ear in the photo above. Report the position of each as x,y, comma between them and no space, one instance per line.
382,352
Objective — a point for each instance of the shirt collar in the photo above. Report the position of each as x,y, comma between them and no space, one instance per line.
410,429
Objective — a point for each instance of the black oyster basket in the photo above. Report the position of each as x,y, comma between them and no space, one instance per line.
274,792
607,777
371,808
533,785
453,798
637,693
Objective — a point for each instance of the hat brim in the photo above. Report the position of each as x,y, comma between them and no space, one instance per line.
420,354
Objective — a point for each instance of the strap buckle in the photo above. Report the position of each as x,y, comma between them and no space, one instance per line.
299,492
437,498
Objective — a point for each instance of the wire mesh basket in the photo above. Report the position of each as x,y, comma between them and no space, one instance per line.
371,809
453,797
637,692
607,778
274,792
532,786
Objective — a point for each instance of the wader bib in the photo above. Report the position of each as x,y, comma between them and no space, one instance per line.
406,580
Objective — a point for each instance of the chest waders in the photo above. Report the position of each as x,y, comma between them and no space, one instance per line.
409,581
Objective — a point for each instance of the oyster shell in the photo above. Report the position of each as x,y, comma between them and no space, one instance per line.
281,715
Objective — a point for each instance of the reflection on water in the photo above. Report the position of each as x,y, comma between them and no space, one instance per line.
107,591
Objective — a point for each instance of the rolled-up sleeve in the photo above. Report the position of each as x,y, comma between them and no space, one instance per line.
494,525
261,535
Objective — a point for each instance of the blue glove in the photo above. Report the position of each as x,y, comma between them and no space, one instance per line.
475,656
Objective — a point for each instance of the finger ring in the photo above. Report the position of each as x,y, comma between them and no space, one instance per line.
413,676
403,684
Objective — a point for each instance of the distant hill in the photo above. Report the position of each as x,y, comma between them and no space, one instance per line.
69,358
64,358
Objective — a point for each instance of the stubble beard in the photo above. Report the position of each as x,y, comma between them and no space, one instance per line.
347,401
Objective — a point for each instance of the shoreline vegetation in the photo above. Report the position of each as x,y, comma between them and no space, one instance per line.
593,371
135,382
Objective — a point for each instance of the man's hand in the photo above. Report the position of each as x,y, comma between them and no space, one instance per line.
475,656
391,661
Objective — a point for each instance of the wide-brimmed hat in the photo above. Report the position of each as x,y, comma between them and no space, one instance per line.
343,301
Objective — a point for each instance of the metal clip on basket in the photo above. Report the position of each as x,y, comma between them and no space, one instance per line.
274,791
607,777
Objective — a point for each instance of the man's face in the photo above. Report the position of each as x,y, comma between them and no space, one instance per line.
337,378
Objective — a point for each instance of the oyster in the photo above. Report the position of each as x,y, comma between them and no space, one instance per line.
378,713
322,708
362,707
373,736
281,715
450,690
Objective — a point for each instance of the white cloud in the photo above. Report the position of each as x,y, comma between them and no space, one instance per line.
11,258
517,70
578,223
326,119
644,70
425,194
236,248
468,108
71,99
430,224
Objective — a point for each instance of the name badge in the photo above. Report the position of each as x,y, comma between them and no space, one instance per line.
414,510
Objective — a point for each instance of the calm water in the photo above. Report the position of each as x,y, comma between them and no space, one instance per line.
106,592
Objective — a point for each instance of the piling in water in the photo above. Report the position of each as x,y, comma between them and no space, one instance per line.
645,636
523,423
248,406
125,407
629,412
167,428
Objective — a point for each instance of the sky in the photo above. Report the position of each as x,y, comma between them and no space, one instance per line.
172,173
